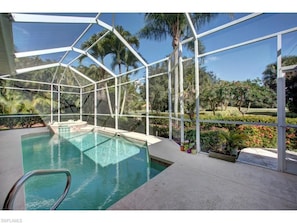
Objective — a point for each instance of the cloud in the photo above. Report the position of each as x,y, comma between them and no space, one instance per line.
211,59
21,31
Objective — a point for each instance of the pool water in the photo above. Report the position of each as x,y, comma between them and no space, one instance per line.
103,168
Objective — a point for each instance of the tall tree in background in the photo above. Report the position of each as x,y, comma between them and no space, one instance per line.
158,88
207,80
27,101
159,26
270,79
99,49
120,54
110,44
122,57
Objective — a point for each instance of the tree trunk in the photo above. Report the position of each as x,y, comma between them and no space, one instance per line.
175,45
123,103
108,100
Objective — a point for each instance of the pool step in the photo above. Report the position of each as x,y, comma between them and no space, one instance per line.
88,128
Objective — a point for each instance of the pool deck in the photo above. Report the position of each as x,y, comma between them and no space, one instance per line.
198,182
11,162
192,182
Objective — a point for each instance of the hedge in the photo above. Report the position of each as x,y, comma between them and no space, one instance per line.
255,135
22,121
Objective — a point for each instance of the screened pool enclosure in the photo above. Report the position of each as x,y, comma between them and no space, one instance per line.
93,67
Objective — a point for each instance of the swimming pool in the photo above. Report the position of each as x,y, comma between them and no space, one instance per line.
103,168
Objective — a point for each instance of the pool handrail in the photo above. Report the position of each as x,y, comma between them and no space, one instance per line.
8,204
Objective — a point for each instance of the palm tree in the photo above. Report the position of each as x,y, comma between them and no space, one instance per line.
175,25
99,50
121,56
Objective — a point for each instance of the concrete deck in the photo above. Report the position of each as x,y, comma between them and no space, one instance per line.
11,162
197,182
192,182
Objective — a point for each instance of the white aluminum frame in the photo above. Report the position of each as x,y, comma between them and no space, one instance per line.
281,113
35,18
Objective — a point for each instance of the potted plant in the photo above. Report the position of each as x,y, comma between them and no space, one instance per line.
182,148
189,150
229,148
193,149
191,139
186,145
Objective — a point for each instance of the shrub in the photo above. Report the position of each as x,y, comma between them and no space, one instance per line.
22,121
258,136
160,131
253,135
291,139
212,140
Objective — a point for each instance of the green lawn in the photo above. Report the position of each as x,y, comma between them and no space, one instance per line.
252,111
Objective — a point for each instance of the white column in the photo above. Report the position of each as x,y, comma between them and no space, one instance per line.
80,104
147,121
52,103
116,110
281,112
197,95
95,104
59,105
181,96
169,99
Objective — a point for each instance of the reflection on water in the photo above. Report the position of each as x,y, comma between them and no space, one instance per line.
103,169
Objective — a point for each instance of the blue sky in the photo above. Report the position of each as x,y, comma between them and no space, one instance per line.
239,64
250,61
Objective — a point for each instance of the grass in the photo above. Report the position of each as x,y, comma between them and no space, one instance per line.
233,111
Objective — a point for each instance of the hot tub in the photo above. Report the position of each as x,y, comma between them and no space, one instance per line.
67,126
